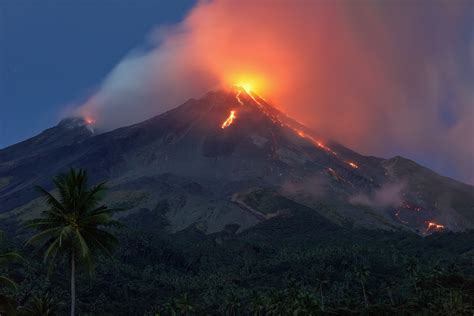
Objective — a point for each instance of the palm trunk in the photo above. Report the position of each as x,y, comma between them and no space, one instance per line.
73,285
365,296
390,296
322,298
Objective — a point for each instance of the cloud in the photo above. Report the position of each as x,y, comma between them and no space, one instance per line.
389,195
383,77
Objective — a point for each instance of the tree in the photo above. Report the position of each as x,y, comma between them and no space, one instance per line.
362,273
412,269
6,303
321,279
73,226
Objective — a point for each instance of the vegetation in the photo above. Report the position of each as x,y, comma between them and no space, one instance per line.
72,226
6,283
293,265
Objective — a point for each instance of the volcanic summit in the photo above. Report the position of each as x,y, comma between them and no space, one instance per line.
231,158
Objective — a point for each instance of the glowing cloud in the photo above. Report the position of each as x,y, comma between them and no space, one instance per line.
378,77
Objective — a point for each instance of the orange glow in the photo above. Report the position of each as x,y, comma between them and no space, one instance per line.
89,121
248,82
237,96
314,141
249,89
353,165
229,120
432,226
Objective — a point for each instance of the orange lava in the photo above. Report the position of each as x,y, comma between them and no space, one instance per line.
353,165
432,226
229,120
247,87
237,96
89,121
313,140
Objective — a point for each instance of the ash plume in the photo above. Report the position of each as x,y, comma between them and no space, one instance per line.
384,78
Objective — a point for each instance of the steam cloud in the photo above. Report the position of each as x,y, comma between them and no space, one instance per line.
389,195
381,77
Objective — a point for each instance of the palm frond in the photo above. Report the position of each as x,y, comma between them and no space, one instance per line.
46,234
7,282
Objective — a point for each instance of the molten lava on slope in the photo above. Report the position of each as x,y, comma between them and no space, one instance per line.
276,118
230,119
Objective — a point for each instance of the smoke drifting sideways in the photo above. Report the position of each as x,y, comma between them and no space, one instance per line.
388,195
382,77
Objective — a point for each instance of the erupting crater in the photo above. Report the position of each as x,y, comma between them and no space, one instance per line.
276,117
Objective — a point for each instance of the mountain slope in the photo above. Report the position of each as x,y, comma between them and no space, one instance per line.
231,158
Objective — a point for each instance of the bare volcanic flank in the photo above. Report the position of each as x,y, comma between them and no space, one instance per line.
232,158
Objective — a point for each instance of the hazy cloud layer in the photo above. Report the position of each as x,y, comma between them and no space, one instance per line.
382,77
389,195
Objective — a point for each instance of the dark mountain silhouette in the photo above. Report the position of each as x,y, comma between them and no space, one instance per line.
197,171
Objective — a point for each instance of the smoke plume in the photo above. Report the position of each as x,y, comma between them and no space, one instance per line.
389,195
382,77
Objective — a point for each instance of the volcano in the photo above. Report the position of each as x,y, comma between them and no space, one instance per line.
232,159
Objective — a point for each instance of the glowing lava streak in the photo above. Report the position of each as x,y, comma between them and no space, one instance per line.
353,165
229,120
237,96
248,89
434,226
314,141
253,98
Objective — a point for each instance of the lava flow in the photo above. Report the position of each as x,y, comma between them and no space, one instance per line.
229,120
353,165
432,226
237,96
248,90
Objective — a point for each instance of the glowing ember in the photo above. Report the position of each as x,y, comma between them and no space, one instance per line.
432,226
229,120
353,165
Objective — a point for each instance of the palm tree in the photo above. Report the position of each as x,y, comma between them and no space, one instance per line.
412,269
362,273
73,225
321,279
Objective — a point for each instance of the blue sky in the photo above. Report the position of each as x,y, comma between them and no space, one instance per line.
55,52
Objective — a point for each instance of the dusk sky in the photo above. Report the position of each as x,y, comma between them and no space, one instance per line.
55,52
385,78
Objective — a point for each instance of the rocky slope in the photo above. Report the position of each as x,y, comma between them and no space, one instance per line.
231,158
